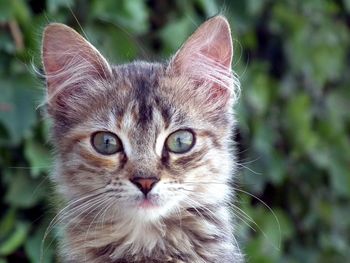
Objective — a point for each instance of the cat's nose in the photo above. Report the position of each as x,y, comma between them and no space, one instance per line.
145,184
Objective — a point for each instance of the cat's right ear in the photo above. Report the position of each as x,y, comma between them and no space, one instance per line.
69,60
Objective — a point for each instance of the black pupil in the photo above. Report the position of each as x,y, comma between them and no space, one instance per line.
107,144
179,142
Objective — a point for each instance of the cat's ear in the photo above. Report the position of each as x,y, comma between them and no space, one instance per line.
206,58
70,60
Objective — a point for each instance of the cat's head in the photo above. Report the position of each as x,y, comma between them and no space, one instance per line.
142,140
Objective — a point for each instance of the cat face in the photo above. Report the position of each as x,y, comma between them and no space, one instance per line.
142,140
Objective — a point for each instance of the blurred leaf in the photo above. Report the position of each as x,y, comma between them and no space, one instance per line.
54,5
22,191
7,222
338,108
38,156
33,247
130,15
286,19
347,5
299,117
21,11
255,7
15,240
7,44
259,93
271,232
181,29
315,50
126,46
6,11
254,251
209,6
340,176
17,105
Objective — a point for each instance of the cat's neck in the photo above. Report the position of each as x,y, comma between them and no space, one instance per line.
201,234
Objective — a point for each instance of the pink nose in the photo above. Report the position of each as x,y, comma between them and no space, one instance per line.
144,184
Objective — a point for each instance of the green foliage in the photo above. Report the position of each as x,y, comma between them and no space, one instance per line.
294,119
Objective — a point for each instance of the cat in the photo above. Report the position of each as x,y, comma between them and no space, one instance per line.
143,151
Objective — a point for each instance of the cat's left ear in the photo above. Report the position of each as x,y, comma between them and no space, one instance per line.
206,59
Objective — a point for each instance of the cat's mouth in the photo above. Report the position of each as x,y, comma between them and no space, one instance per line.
148,202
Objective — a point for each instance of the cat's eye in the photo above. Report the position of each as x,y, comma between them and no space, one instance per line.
180,141
106,143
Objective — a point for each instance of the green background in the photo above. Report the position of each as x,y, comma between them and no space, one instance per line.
293,60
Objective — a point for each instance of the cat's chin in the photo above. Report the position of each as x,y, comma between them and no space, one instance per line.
147,212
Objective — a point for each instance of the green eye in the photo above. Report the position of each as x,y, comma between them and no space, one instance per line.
180,141
106,143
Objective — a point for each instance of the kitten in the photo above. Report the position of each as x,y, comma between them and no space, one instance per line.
143,150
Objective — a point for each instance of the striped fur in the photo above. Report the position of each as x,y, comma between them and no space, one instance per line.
143,103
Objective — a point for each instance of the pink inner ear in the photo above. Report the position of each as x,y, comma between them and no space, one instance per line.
69,60
216,44
206,58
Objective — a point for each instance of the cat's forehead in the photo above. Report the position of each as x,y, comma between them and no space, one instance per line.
137,93
139,70
137,82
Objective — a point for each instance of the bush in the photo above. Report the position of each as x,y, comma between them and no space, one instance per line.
294,119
